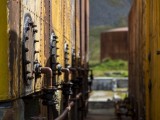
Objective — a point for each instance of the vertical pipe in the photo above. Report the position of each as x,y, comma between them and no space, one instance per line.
48,71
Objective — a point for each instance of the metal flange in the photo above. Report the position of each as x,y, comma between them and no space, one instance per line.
28,49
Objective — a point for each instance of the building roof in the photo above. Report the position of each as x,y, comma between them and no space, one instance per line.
117,29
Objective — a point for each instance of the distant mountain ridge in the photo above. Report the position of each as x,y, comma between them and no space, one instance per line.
109,12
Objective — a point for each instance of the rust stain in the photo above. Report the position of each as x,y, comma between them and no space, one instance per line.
114,44
4,71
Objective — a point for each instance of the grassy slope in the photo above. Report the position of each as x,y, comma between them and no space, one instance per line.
110,68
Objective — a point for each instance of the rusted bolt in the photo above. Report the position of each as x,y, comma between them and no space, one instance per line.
26,49
30,77
26,38
27,72
27,62
35,31
36,41
36,51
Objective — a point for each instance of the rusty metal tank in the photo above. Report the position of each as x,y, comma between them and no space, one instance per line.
114,44
43,57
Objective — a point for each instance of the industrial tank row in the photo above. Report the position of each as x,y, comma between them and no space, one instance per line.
44,59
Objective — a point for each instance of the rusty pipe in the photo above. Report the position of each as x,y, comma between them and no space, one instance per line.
77,97
68,108
65,70
73,69
48,72
81,69
65,112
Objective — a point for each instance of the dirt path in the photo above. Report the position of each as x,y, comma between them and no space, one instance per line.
104,114
102,109
101,114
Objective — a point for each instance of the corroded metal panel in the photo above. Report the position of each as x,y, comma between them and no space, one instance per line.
114,44
154,64
84,28
82,31
146,54
47,30
67,28
144,57
16,41
4,49
73,23
57,24
12,48
27,35
77,31
87,32
15,52
135,80
12,110
32,10
73,33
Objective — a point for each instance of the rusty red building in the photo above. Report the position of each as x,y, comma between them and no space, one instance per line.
114,44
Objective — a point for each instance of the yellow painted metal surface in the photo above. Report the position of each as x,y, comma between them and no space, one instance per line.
4,44
11,79
73,24
145,38
36,10
40,22
57,23
61,16
66,24
144,58
68,27
154,65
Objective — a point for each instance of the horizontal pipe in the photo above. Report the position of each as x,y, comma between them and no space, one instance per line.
73,69
81,69
48,72
68,108
65,112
